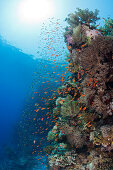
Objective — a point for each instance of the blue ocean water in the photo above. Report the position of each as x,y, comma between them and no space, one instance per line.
25,84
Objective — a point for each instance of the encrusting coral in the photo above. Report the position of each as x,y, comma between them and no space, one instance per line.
82,138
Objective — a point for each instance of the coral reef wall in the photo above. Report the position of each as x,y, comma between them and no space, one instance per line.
82,137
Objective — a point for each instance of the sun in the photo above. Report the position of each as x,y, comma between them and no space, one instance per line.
34,11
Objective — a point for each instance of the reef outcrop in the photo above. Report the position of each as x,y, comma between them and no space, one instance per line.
82,138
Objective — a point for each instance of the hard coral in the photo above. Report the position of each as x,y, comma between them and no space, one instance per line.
62,161
53,133
69,108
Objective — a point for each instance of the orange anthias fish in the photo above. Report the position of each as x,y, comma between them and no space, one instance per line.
83,45
84,108
37,110
69,47
42,108
78,50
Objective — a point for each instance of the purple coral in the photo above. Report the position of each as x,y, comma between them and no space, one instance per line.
93,33
69,39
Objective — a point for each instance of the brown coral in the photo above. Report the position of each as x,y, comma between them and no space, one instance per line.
97,60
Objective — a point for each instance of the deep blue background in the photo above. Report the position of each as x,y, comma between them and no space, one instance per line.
16,69
20,77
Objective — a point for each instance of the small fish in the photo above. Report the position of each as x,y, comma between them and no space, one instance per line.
42,108
70,64
74,81
78,50
84,108
90,79
34,141
52,54
69,47
83,45
82,95
89,125
45,92
80,115
80,108
37,110
67,60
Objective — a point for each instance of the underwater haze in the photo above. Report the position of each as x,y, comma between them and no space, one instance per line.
56,85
